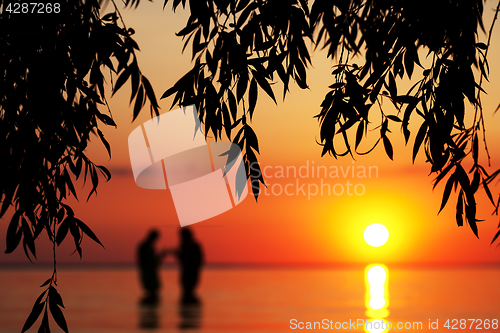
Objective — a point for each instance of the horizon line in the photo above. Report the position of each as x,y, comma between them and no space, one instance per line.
247,265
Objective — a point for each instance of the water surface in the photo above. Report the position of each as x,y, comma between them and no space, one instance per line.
255,300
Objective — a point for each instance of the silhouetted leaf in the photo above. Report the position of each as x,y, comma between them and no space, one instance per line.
348,124
393,88
105,172
44,325
69,183
62,231
442,174
462,178
488,192
241,86
170,91
337,85
481,46
57,314
233,107
419,139
376,90
475,148
496,236
87,231
77,237
409,63
388,147
78,166
264,85
475,181
473,226
46,282
227,120
483,70
252,97
105,142
14,234
122,79
384,128
447,192
7,199
35,313
28,237
150,94
188,29
55,297
459,211
359,133
40,225
139,102
106,119
251,138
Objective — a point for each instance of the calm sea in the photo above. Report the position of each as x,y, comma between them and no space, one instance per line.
266,300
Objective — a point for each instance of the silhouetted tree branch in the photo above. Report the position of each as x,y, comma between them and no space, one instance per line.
242,47
52,101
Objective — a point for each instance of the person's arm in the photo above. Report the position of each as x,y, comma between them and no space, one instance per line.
164,253
169,251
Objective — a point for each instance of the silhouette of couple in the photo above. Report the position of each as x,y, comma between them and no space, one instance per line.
189,256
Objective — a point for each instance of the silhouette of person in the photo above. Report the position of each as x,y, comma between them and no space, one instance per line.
149,263
190,257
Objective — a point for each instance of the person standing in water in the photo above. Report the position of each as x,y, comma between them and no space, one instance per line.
149,264
190,257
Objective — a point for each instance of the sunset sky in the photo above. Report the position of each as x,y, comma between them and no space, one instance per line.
282,229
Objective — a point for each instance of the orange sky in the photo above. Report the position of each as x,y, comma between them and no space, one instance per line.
280,228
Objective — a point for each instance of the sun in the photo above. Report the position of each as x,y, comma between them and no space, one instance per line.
376,235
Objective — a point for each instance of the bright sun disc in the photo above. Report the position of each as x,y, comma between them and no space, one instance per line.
376,235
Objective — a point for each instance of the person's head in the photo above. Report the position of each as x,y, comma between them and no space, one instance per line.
186,235
153,235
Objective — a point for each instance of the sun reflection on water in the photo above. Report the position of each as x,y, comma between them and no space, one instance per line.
376,298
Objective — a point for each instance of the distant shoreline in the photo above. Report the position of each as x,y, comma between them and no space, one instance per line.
257,266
